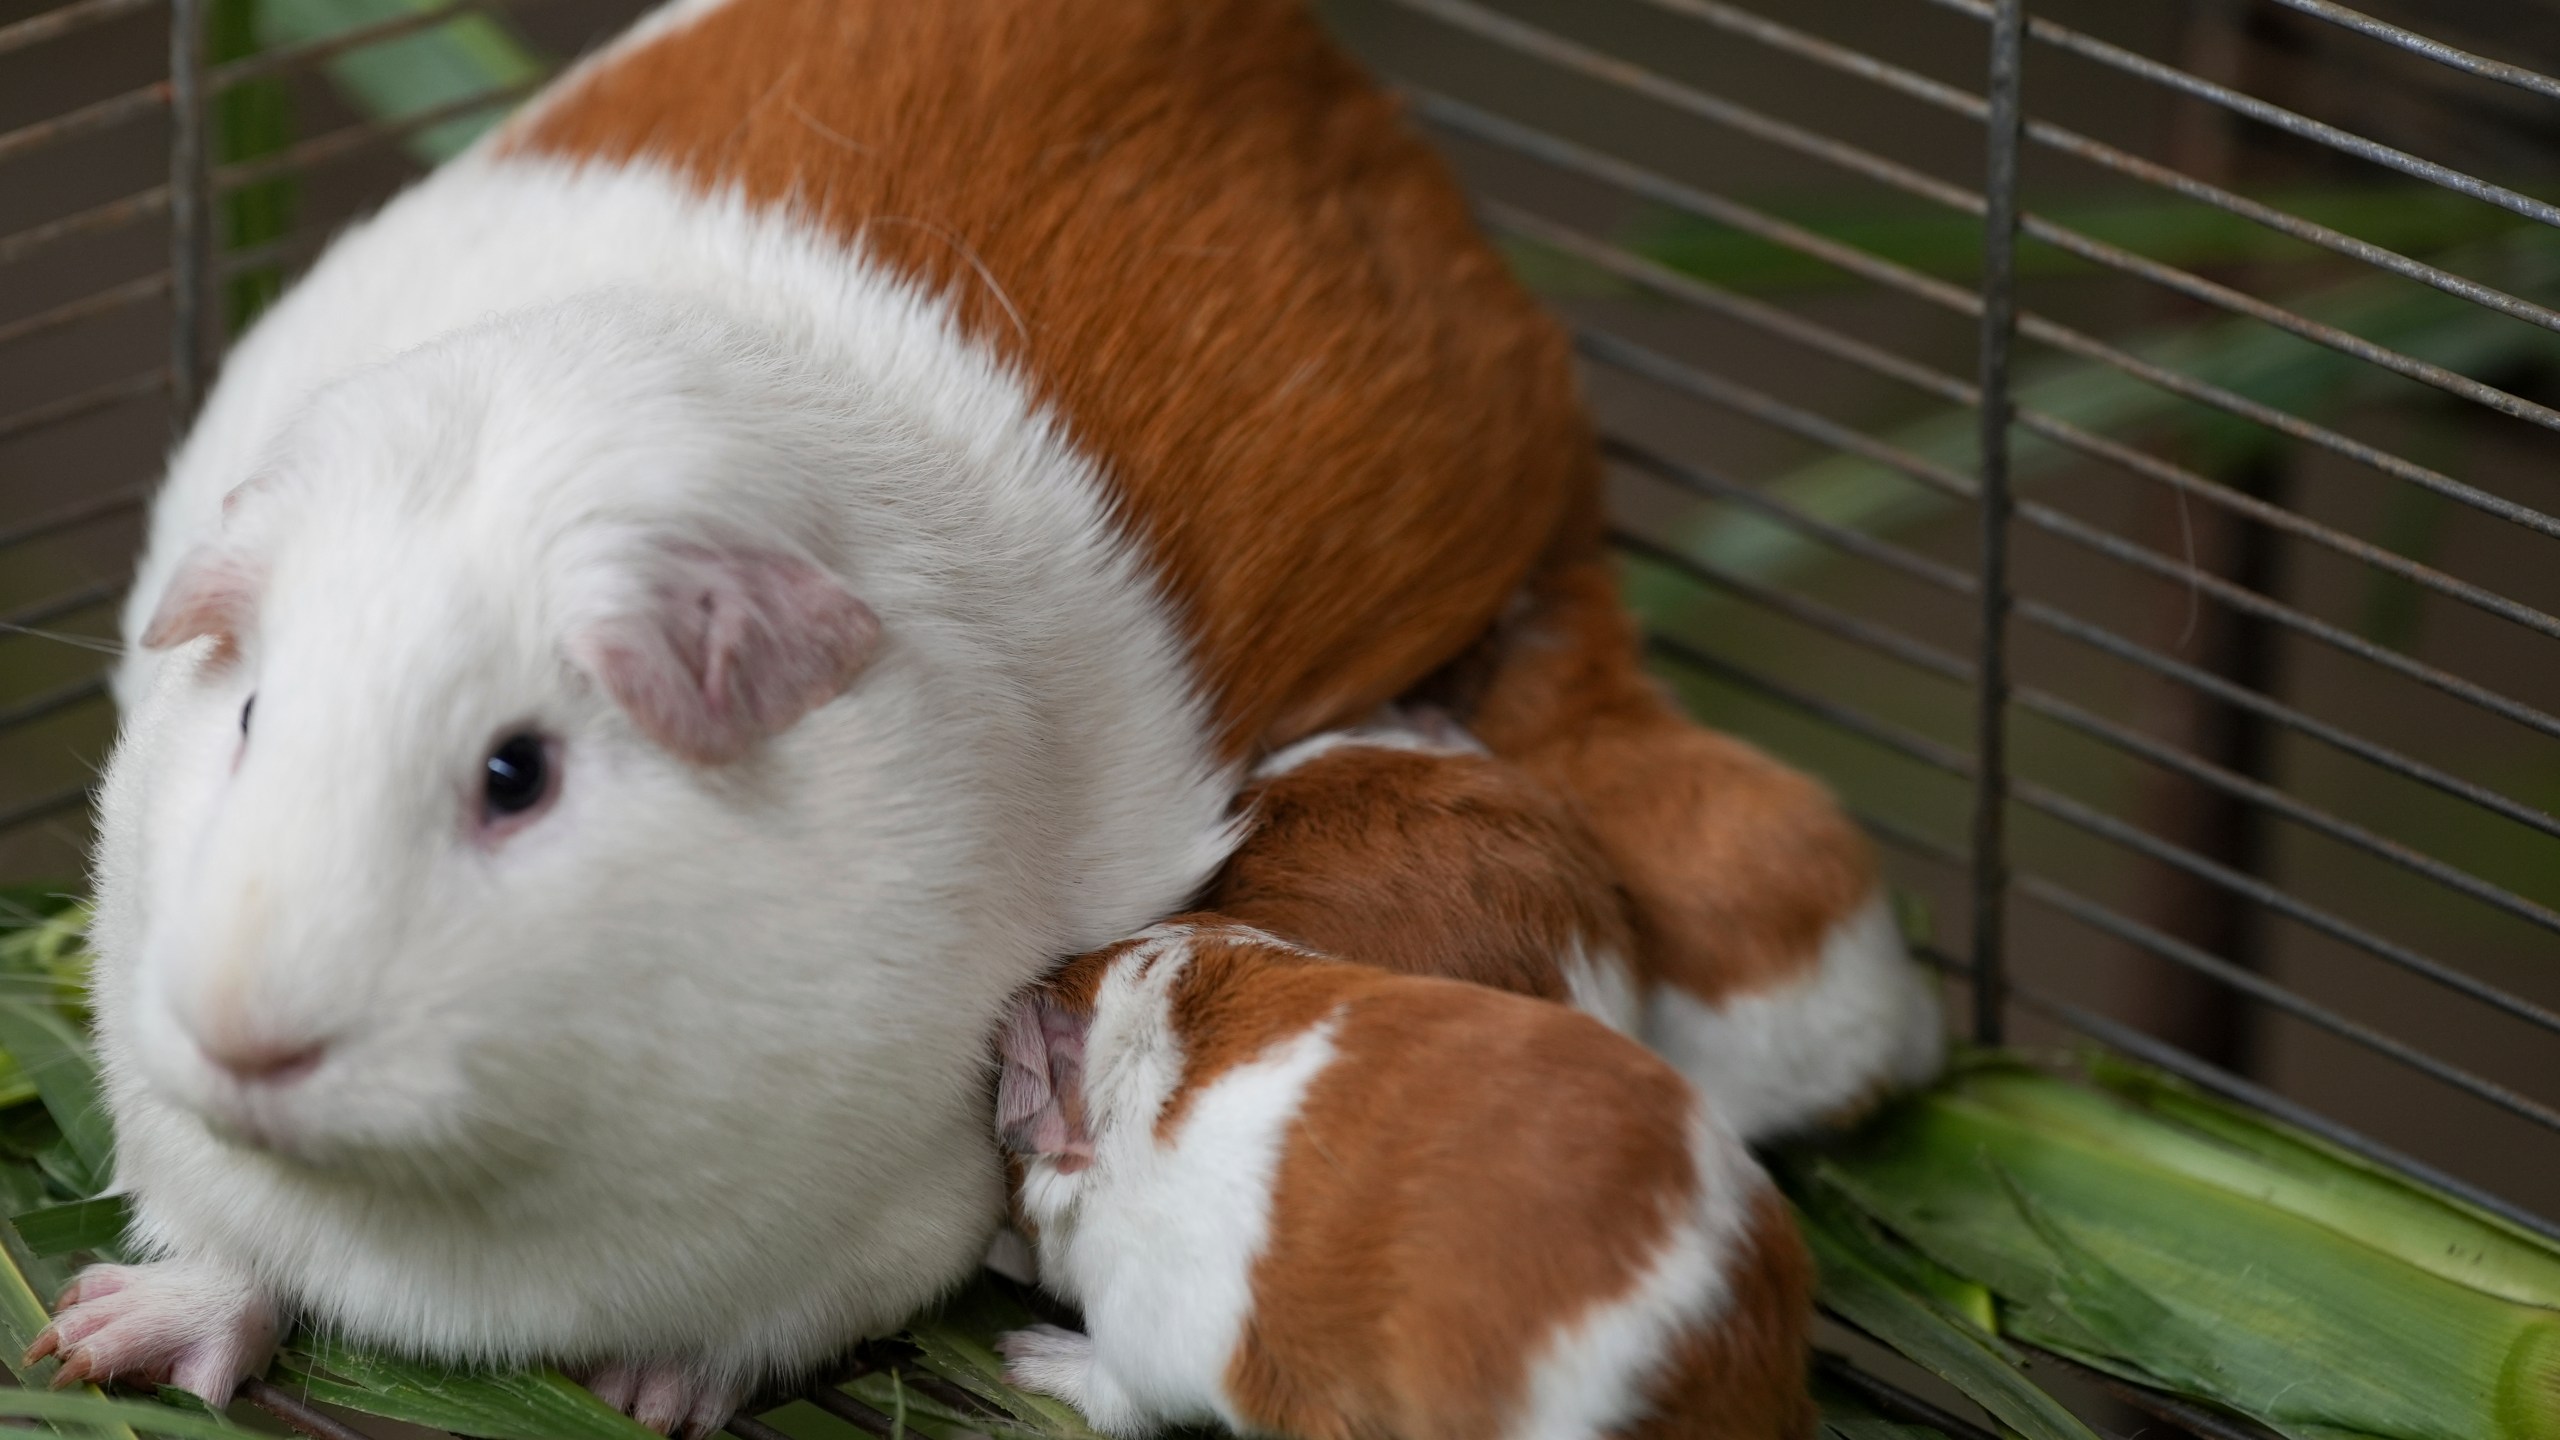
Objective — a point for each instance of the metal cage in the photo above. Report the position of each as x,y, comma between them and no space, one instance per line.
2111,445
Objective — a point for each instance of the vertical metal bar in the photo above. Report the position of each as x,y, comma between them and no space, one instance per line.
190,215
1991,691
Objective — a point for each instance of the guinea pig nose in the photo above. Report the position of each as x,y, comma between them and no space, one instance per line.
261,1064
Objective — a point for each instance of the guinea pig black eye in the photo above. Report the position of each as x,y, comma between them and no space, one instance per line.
245,707
518,776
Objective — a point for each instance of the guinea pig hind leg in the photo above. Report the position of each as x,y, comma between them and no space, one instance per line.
200,1327
667,1396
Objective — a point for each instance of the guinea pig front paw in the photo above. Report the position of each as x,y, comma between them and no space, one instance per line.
202,1328
666,1396
1060,1363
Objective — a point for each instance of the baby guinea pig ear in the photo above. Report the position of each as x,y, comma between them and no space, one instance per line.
1040,1090
214,591
724,647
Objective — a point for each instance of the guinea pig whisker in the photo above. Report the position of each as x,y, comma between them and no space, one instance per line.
76,642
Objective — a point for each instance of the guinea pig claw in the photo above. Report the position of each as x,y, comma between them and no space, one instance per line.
194,1326
47,1342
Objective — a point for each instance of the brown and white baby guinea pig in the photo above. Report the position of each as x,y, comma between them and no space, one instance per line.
1315,1199
1403,844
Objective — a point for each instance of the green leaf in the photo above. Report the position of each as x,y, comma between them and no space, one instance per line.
957,1342
445,64
57,1059
2120,1313
81,1225
76,1408
1857,1286
526,1405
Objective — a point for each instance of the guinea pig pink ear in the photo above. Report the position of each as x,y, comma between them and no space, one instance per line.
212,592
1040,1093
729,647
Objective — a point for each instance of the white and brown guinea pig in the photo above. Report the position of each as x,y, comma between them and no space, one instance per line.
1314,1199
1402,843
1769,966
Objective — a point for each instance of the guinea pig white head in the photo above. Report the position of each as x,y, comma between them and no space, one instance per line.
469,728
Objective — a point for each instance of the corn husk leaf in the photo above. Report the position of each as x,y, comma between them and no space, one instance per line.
1865,1283
2198,1280
2320,1182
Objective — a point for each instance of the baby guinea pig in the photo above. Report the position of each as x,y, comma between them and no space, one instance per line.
1314,1199
1403,844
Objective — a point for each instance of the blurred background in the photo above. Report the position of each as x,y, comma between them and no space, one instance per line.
2284,736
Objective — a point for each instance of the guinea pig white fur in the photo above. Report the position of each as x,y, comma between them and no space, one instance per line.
1308,1198
755,507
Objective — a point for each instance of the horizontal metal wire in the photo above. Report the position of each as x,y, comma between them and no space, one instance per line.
1554,49
1774,320
2073,813
2116,57
71,407
66,20
1828,341
2098,637
1479,124
355,37
154,202
70,602
150,287
351,139
2124,1038
43,807
104,114
2059,138
1767,409
85,511
1705,483
88,307
2433,49
97,219
47,703
154,98
2266,992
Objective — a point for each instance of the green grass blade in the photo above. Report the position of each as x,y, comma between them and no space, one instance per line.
526,1405
126,1416
82,1225
56,1058
957,1342
2265,365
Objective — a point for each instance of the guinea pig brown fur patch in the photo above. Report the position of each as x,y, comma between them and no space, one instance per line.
1210,243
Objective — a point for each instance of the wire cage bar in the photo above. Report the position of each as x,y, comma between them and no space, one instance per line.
1955,523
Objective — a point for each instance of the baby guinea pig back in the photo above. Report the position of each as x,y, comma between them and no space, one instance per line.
1403,844
1314,1199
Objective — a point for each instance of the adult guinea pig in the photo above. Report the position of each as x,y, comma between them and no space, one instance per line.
685,612
1308,1198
